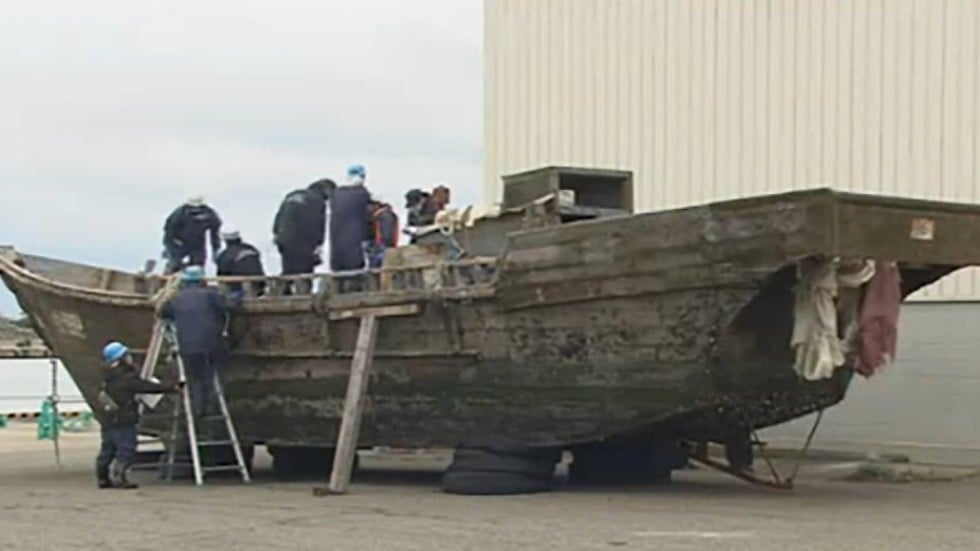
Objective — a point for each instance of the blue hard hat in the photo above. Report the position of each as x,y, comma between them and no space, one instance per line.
114,351
192,274
356,170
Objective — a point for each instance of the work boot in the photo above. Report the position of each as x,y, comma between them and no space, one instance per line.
122,482
104,483
125,484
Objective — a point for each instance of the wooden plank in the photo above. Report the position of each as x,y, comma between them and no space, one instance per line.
105,281
153,349
350,425
377,311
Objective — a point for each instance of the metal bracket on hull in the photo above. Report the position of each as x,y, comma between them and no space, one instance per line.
700,455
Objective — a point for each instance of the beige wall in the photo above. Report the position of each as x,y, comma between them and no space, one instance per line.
711,99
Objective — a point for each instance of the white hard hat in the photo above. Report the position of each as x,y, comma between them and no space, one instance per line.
195,200
230,233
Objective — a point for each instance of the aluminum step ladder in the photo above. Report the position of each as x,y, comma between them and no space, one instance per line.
183,420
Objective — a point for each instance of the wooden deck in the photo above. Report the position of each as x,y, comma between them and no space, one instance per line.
14,352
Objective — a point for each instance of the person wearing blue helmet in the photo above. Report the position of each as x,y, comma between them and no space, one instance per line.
349,228
200,315
119,415
356,175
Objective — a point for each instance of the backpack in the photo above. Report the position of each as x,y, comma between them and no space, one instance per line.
108,405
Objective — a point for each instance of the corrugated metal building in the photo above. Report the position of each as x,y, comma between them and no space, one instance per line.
716,99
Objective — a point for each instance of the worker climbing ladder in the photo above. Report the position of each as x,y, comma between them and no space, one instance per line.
182,415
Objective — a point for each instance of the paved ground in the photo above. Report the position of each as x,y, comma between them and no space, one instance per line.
396,505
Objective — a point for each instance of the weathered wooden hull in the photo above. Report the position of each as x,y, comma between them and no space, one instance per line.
675,322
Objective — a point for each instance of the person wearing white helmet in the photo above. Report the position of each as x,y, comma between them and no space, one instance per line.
185,233
239,258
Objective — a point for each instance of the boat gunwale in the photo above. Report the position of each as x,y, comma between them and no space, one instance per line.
30,278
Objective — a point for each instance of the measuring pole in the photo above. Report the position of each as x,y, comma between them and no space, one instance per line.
54,409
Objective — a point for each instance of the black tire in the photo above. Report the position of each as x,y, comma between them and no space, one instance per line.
505,446
484,461
482,483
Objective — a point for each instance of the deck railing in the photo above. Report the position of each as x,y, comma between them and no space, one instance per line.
455,275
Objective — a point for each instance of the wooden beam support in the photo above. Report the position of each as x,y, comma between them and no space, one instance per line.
350,425
377,311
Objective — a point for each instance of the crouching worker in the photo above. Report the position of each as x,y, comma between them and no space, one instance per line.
120,410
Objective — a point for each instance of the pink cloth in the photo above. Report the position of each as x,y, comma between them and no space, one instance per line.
878,321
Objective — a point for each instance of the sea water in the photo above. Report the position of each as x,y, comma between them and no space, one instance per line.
24,384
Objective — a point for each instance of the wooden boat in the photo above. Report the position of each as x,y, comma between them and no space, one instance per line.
625,327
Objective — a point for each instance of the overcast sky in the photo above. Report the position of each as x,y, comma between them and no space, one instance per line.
114,112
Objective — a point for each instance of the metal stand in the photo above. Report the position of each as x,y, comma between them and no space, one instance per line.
777,481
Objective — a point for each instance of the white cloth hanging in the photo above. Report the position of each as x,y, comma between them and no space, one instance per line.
818,349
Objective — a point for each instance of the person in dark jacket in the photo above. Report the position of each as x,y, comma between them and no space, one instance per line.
349,223
185,233
240,259
415,200
120,415
200,315
300,227
383,231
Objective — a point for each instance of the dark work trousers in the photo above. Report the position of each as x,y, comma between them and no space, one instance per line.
201,369
296,261
195,257
119,443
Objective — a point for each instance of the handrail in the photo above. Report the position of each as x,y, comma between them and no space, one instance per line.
387,280
435,277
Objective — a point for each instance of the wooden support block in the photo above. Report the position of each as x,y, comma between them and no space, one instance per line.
377,311
350,425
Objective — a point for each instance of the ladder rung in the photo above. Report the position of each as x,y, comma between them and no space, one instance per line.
212,418
220,468
215,443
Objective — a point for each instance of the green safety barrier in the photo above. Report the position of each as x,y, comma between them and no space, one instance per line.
3,422
81,423
48,422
